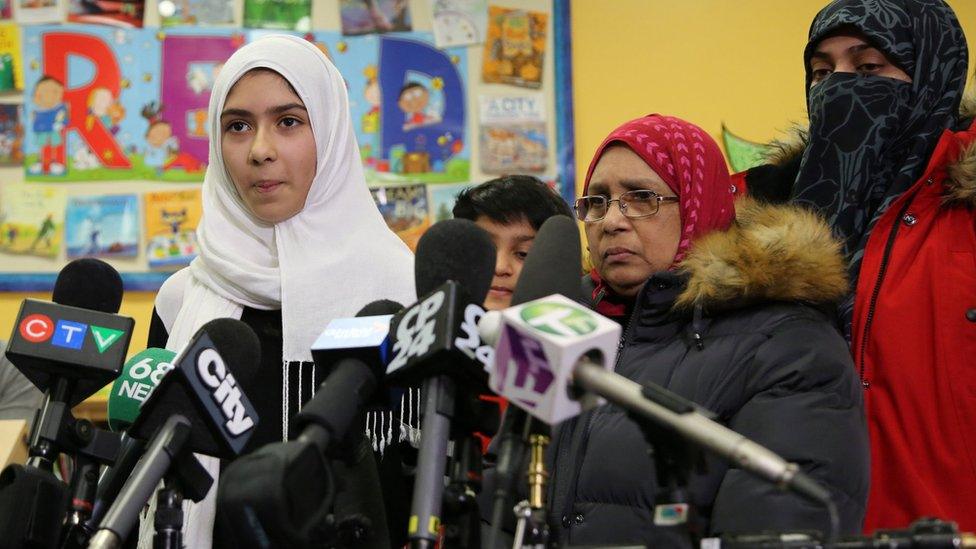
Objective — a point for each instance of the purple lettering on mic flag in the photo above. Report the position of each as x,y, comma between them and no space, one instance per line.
524,373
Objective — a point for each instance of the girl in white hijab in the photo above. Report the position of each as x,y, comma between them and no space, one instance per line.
288,225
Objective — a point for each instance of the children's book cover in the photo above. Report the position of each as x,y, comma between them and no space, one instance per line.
278,14
11,135
117,13
515,47
39,11
408,103
199,12
6,9
405,210
442,199
513,134
102,226
31,219
171,223
11,58
374,16
459,22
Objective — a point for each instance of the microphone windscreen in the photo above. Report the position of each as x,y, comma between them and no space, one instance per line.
380,307
89,284
458,250
237,344
553,265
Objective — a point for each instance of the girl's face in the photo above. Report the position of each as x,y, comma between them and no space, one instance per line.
268,147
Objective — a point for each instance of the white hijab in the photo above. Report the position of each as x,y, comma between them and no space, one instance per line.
326,262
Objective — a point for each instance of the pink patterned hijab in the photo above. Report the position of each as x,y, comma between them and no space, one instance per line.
691,164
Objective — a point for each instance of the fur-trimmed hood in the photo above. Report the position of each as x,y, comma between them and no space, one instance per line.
770,253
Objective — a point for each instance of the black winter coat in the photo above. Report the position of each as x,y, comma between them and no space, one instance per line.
739,332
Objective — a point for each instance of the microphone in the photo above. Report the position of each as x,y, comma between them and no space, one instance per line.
552,267
436,341
197,407
69,349
551,344
282,494
140,376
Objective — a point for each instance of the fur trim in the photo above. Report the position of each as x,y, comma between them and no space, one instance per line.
961,179
782,151
770,253
968,107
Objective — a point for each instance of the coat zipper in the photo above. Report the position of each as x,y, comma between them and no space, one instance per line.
876,291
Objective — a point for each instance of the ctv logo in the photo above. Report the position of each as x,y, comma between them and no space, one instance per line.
38,328
558,319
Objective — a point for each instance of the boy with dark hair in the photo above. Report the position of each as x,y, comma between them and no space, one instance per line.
511,209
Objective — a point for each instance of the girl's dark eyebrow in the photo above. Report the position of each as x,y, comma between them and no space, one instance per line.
273,110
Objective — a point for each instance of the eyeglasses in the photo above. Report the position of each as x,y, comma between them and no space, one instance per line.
633,204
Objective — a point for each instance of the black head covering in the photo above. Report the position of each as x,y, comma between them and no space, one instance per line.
871,136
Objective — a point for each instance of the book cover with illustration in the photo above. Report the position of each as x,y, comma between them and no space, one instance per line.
171,223
278,14
408,103
200,12
102,226
442,199
515,48
513,134
39,11
11,135
404,208
11,58
459,22
117,13
374,16
31,219
6,9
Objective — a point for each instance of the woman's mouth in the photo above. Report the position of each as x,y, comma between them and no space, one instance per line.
267,186
616,254
500,291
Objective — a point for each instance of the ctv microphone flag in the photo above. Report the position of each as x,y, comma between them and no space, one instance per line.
539,344
51,340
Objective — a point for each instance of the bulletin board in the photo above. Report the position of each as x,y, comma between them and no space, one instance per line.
103,127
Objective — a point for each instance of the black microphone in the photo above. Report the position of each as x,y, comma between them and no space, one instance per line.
433,342
69,349
282,494
552,267
198,407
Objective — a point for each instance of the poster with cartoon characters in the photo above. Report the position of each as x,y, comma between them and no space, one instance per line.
31,219
118,13
171,223
115,104
102,226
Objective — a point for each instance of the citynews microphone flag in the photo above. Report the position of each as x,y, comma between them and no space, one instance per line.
538,346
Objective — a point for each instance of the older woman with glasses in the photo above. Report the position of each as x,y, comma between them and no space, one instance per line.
728,305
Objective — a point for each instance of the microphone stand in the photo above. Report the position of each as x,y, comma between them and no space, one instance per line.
428,488
532,529
462,521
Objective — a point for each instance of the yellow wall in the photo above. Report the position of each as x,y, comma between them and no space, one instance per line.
707,61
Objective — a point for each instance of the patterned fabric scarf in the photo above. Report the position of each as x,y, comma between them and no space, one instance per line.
871,136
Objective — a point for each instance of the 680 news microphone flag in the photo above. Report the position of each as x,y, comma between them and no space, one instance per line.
198,407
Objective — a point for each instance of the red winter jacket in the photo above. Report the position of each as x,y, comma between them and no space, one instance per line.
914,344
